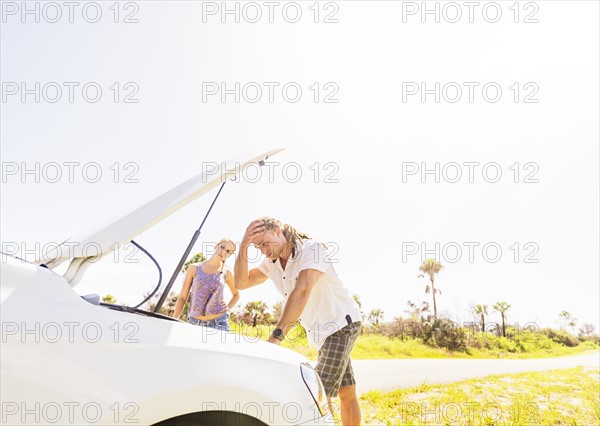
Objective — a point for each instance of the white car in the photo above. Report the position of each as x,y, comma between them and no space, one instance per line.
66,359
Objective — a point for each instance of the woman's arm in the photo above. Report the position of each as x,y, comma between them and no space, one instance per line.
185,290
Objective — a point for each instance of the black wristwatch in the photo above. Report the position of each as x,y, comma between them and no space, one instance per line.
278,333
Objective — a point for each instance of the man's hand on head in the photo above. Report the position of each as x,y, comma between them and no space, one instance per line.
253,231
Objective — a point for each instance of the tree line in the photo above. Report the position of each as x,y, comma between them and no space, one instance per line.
424,323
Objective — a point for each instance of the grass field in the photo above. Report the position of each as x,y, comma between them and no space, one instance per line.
557,397
375,346
382,347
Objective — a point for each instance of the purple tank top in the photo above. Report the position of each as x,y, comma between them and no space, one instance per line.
207,293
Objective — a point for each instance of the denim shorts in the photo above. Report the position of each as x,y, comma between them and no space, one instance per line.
220,323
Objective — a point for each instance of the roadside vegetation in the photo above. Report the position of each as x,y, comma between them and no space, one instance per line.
420,333
557,397
374,345
417,335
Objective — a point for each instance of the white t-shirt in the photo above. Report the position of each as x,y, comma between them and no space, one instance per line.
330,306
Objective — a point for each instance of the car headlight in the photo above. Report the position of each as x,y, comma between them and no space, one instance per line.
315,386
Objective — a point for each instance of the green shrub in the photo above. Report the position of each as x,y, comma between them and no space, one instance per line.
404,329
561,337
445,334
594,339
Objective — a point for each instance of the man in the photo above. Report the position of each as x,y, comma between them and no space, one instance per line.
314,296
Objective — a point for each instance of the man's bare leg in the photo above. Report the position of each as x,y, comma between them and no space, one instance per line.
349,406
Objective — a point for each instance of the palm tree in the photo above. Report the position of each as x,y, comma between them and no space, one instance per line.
415,311
257,310
375,316
572,323
564,316
277,310
356,298
168,307
502,307
431,267
481,311
569,319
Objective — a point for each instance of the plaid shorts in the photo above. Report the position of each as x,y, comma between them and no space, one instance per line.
333,364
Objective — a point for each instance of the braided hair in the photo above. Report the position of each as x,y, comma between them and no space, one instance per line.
224,240
294,237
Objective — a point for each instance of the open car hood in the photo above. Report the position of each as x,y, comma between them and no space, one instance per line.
123,230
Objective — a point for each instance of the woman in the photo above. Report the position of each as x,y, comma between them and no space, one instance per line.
206,282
